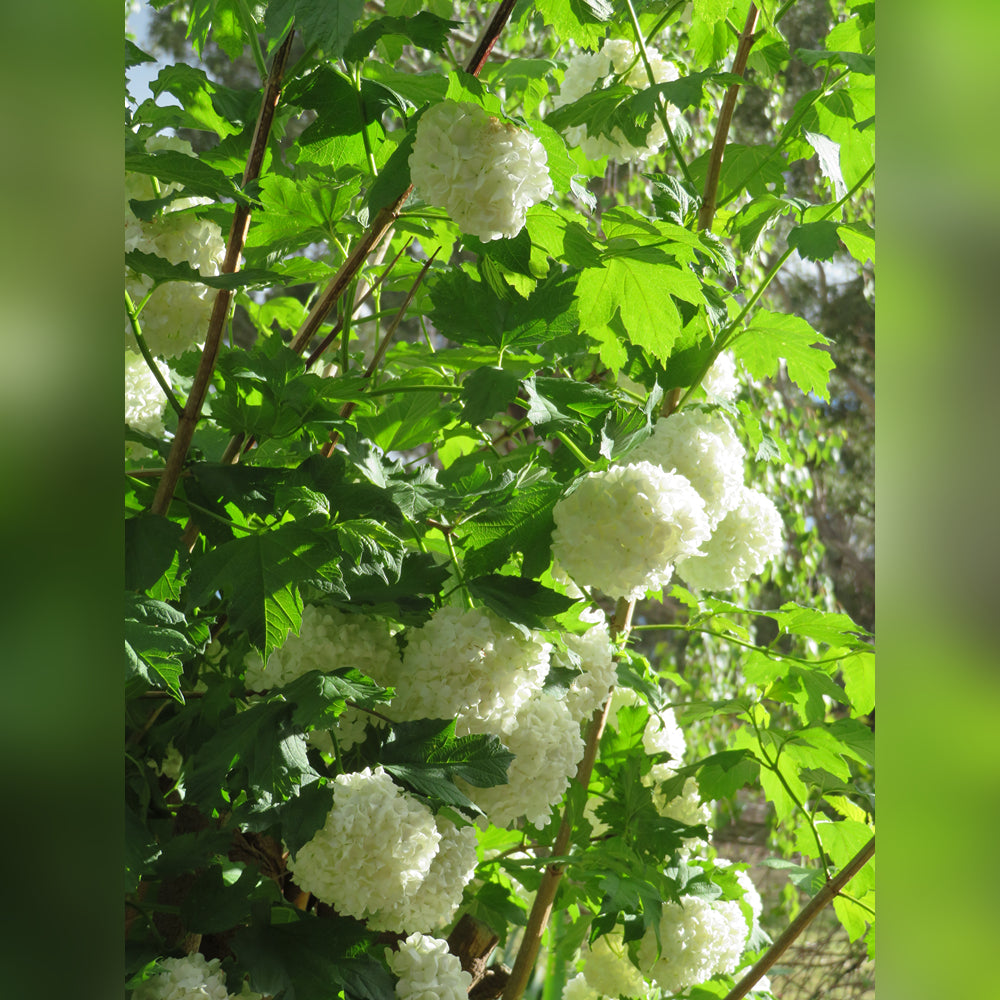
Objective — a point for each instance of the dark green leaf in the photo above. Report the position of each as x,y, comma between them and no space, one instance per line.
816,240
327,24
722,774
197,95
516,599
318,698
151,542
212,905
134,56
161,271
312,959
426,30
197,176
393,178
259,577
486,392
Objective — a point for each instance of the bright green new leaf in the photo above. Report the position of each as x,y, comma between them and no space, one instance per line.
772,336
425,30
327,24
816,240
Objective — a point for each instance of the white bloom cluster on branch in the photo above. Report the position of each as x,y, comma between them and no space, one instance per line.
175,318
469,665
188,978
547,747
485,173
427,970
590,688
608,969
375,848
622,530
578,988
436,899
698,938
743,543
721,381
591,71
328,639
704,448
144,401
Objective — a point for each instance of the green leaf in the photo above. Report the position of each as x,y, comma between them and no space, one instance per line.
393,178
197,95
318,698
327,24
151,542
711,11
753,220
259,577
311,959
831,627
859,240
486,392
197,176
412,419
134,56
772,336
828,153
722,774
162,271
426,30
640,292
574,20
213,905
856,62
427,756
516,599
521,524
816,240
859,681
157,640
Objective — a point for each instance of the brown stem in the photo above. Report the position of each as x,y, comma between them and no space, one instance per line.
234,247
802,921
482,51
541,909
708,201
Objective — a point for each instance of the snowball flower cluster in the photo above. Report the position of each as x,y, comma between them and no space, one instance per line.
470,665
704,448
427,970
622,530
485,173
720,381
375,848
743,543
547,747
188,978
699,939
590,687
608,969
579,989
144,401
590,71
328,639
436,899
176,316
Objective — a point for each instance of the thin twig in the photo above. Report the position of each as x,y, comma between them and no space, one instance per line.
349,407
802,921
541,909
234,248
707,212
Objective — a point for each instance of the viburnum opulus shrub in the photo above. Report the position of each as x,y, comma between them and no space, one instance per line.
439,381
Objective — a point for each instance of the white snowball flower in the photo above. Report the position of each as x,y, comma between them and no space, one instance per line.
547,747
699,939
175,318
188,978
591,686
468,664
662,733
750,894
427,970
436,899
579,989
622,530
376,846
144,400
608,969
485,173
743,543
587,72
328,639
720,381
703,448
